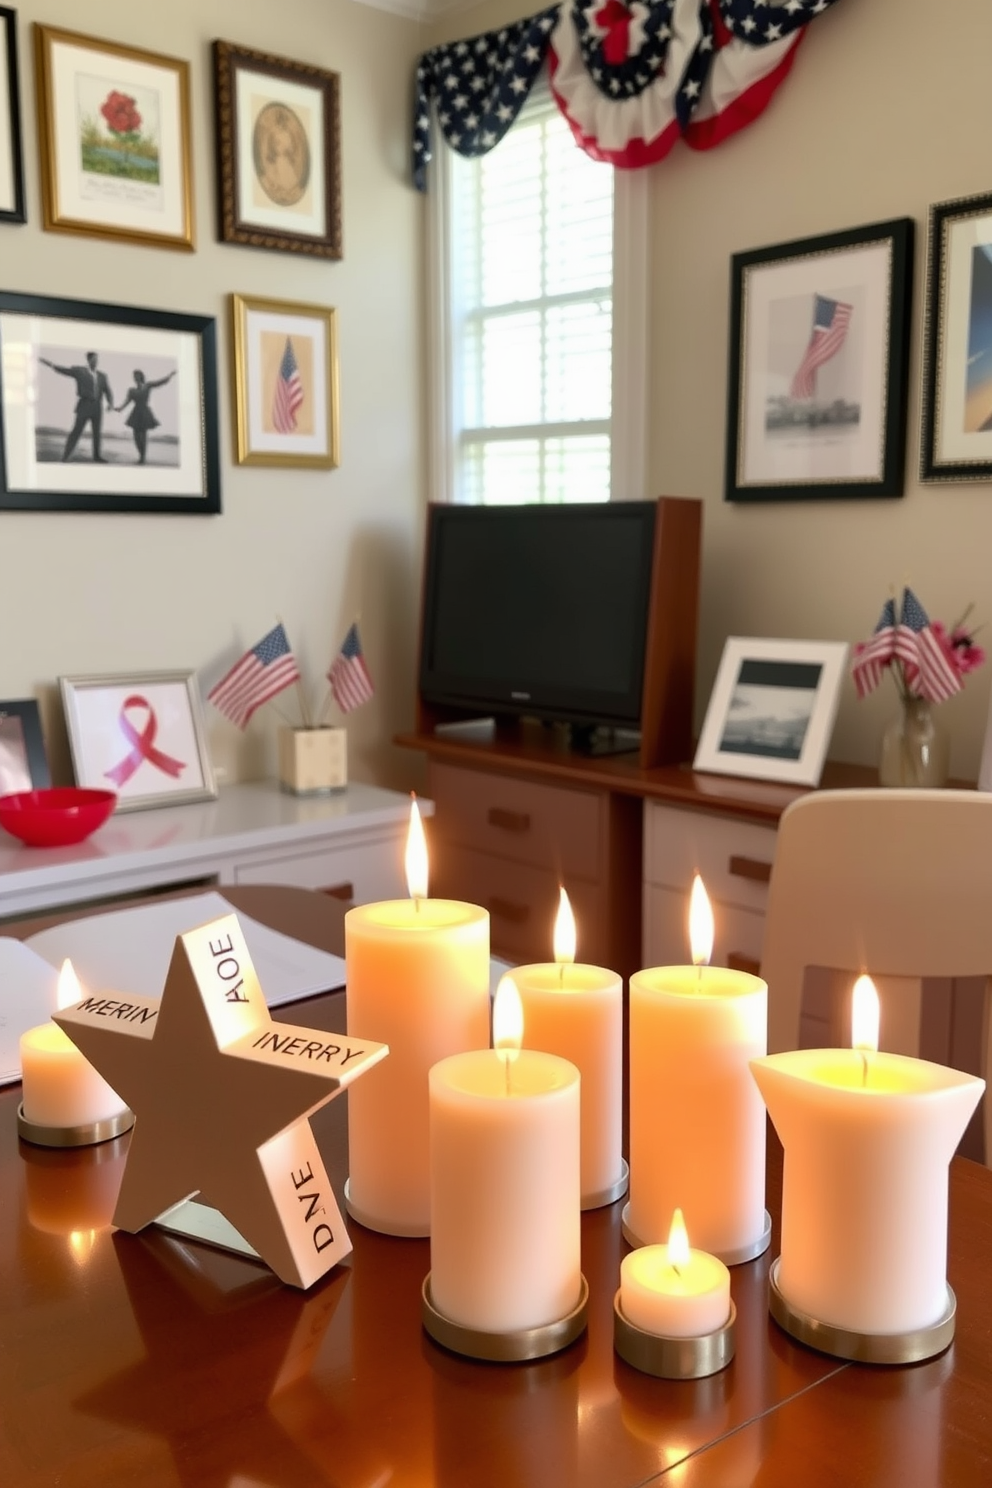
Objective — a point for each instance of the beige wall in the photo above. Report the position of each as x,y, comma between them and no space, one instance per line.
101,594
887,110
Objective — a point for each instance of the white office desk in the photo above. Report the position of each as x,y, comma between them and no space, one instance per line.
251,834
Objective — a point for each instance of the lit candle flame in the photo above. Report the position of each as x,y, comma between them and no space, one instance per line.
69,990
678,1241
701,930
416,855
864,1016
508,1023
565,934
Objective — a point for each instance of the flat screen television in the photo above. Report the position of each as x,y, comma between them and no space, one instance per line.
539,611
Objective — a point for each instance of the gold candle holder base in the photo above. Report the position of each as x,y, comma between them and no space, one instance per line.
674,1358
611,1194
86,1135
504,1348
738,1257
864,1348
382,1227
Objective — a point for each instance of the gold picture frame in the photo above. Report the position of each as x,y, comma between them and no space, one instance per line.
278,152
285,383
114,130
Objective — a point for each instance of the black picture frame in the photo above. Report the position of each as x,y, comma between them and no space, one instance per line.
22,748
66,444
956,434
802,425
12,202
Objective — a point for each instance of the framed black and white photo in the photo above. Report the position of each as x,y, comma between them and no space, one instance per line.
772,709
23,762
817,377
141,735
11,152
957,343
106,408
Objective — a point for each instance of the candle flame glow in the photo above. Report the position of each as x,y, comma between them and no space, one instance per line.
678,1241
864,1015
81,1242
416,855
508,1020
701,929
565,934
69,990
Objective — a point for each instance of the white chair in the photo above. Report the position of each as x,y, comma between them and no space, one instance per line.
896,883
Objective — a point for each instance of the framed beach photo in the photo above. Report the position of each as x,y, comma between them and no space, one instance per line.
23,762
285,383
817,377
772,709
11,153
114,125
106,408
141,735
278,152
956,443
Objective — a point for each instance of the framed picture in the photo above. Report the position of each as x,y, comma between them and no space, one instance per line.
819,336
957,343
11,153
23,764
285,383
278,152
772,709
141,735
115,140
106,408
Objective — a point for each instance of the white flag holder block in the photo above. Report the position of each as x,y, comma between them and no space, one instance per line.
222,1148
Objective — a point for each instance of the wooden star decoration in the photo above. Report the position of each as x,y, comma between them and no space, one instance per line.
221,1097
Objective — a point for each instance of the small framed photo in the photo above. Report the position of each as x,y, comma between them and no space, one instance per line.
106,408
278,152
772,709
957,343
115,140
285,383
23,763
141,735
817,380
11,152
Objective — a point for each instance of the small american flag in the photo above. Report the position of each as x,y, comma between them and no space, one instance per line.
348,674
930,671
871,657
265,670
289,392
830,322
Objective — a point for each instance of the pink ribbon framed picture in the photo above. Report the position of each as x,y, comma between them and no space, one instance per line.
141,735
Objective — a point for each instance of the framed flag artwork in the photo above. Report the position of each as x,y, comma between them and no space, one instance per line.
285,383
817,376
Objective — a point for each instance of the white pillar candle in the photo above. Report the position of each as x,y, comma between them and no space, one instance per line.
576,1012
60,1087
697,1131
505,1234
672,1290
868,1138
418,980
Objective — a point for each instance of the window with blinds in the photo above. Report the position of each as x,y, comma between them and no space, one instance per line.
531,263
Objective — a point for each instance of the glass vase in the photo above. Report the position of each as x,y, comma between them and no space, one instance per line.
915,747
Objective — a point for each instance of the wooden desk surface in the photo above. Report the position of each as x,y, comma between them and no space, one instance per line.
151,1361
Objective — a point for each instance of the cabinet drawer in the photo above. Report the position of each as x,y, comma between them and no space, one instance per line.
734,858
374,870
522,903
545,825
665,931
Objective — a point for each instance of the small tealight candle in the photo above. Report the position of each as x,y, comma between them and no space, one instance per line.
61,1089
672,1291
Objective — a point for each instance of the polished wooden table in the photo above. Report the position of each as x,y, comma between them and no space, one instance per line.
146,1360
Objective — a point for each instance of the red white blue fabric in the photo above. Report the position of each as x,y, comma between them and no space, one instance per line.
348,675
264,671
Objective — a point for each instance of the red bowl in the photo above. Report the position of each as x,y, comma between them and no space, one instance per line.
57,817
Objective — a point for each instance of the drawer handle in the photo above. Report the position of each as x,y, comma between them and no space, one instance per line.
751,868
508,821
737,962
504,909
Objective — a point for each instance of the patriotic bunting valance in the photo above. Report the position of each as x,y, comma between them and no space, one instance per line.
630,78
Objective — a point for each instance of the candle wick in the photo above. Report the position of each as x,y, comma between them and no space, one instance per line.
864,1068
506,1066
416,903
678,1273
561,973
